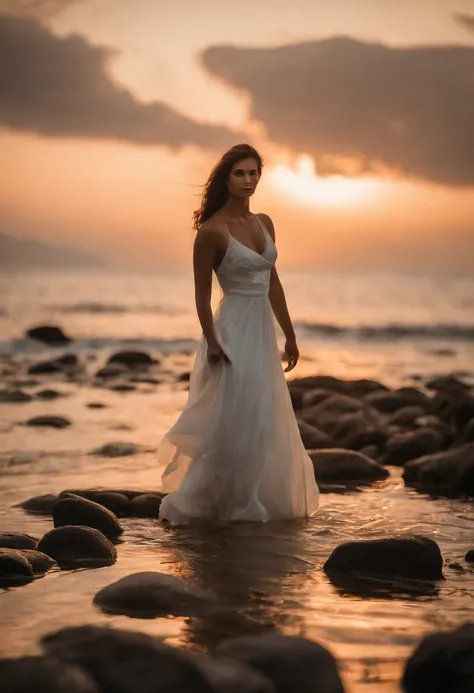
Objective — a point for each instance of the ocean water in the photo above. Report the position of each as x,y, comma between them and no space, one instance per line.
398,329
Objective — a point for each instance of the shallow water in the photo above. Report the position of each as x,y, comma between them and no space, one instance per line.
270,575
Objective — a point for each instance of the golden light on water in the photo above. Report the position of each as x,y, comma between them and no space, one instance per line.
303,184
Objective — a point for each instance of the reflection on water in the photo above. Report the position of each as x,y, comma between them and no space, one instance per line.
268,577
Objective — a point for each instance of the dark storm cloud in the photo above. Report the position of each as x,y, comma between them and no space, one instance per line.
411,109
465,20
61,87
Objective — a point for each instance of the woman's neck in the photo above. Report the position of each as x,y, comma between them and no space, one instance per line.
236,208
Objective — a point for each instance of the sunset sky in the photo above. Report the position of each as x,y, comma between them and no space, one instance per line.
112,113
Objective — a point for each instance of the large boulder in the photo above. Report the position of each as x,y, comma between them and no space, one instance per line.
414,558
442,662
403,447
44,675
49,334
151,594
78,546
450,472
345,466
293,664
132,359
126,662
14,540
74,510
390,402
312,437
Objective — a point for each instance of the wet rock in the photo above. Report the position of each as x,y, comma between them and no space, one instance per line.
15,569
390,402
469,557
358,429
14,540
132,359
96,405
312,437
112,371
146,379
77,546
25,382
354,388
123,387
442,662
232,676
49,334
467,435
450,472
407,416
13,396
125,662
296,396
44,675
116,450
61,364
43,505
448,384
416,558
48,394
115,501
184,377
313,397
403,447
146,505
456,409
346,466
74,510
50,421
151,594
327,414
293,664
39,561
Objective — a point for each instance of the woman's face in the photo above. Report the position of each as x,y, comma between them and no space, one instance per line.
243,178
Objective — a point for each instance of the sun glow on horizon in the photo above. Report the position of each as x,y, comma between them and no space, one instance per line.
303,183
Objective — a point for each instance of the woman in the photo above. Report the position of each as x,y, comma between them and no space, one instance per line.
235,452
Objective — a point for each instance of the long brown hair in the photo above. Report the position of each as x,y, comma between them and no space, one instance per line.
215,191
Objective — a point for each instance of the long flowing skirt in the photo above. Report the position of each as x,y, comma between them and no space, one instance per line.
235,452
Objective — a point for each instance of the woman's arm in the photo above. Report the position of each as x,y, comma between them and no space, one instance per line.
277,298
204,254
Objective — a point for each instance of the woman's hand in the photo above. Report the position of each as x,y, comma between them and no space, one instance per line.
292,354
216,354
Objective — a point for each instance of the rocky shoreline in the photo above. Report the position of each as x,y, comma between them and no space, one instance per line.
356,432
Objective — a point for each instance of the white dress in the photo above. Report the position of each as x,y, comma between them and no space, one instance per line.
235,452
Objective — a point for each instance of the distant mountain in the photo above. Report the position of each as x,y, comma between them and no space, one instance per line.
28,253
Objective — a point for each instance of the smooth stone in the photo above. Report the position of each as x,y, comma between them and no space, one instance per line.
96,405
312,397
347,466
116,450
14,396
469,556
121,661
50,421
390,402
448,383
456,409
115,501
14,540
355,388
43,505
49,334
44,675
146,505
232,676
58,365
151,594
407,416
358,429
74,510
132,359
75,546
450,472
312,437
123,387
111,371
15,569
293,664
48,394
442,663
414,558
403,447
467,435
40,562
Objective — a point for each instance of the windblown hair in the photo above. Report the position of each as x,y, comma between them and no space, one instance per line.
215,190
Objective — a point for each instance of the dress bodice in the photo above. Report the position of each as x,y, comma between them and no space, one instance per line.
245,272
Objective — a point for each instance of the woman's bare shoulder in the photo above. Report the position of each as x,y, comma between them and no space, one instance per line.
211,231
268,223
